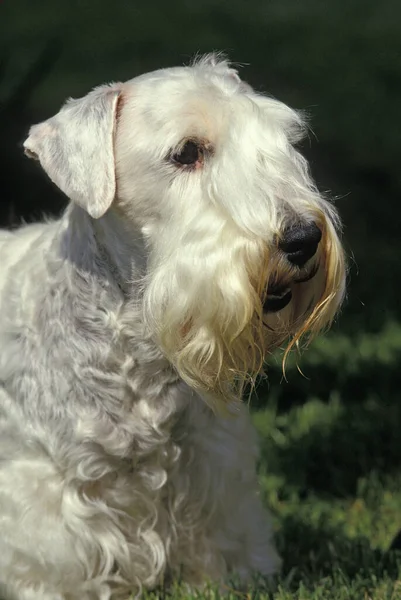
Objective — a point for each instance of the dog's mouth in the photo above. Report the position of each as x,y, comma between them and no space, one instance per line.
279,296
276,299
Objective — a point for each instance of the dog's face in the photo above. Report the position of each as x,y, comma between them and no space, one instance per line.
243,252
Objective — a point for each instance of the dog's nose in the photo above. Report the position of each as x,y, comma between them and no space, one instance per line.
300,243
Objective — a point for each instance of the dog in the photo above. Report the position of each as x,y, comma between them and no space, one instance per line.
194,244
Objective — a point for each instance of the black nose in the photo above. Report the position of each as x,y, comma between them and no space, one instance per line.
300,243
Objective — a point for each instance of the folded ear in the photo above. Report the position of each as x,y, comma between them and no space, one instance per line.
76,149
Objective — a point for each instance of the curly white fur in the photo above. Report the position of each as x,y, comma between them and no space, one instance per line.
128,327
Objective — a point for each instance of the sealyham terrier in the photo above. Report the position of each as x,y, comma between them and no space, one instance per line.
194,244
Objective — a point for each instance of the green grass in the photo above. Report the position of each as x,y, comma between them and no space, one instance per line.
330,473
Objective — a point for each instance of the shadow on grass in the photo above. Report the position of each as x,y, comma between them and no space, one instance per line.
355,369
311,553
326,449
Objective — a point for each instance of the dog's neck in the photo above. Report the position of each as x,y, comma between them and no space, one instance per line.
106,258
110,246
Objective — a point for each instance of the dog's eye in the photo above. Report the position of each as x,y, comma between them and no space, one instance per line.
189,154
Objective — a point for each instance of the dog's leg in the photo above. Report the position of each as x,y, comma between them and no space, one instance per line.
35,592
37,553
245,534
64,537
249,527
54,544
13,592
222,528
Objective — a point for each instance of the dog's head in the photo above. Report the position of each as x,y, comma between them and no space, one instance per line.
242,251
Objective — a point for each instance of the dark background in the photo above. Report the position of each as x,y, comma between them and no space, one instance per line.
339,60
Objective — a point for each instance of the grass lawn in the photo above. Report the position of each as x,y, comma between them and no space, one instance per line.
330,473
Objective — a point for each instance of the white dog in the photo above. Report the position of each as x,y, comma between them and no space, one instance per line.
194,244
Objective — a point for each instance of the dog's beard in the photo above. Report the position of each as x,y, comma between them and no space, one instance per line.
209,322
218,327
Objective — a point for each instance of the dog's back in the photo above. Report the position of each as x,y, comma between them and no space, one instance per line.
15,246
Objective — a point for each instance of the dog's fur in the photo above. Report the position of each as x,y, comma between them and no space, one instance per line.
129,327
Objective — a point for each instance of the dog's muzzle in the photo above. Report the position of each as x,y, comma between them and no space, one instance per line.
299,244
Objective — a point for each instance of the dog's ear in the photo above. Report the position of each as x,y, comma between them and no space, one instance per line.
76,148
